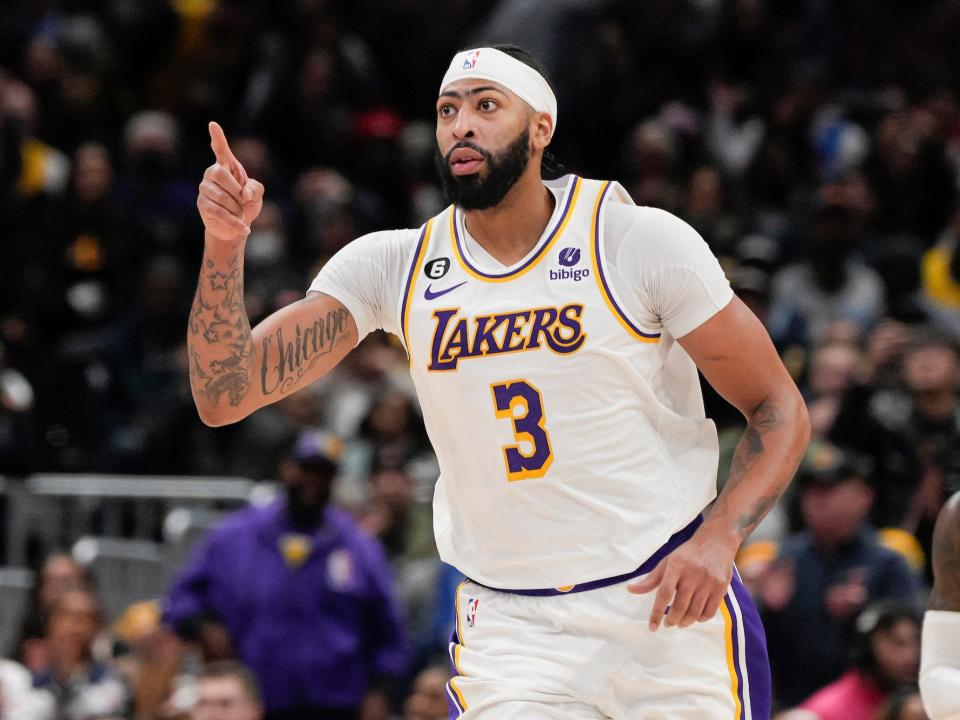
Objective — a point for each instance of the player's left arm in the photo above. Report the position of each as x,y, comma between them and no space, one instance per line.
736,356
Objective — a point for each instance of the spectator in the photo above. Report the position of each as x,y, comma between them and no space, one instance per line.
151,188
153,663
405,527
831,367
940,273
402,525
227,691
825,575
428,701
304,597
831,283
76,686
888,659
60,573
912,432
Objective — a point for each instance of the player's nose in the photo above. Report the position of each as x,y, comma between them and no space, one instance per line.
464,125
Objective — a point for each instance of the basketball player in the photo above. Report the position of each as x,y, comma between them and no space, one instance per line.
554,332
940,645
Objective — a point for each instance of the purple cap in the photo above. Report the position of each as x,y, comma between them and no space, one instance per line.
316,447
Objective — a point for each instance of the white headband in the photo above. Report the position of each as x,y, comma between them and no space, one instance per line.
519,78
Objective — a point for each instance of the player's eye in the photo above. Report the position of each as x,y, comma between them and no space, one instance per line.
445,110
487,105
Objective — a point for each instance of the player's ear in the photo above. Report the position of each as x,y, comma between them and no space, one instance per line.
542,125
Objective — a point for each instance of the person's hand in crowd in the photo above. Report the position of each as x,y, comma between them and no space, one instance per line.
928,498
777,584
215,642
376,519
228,200
846,599
884,347
36,657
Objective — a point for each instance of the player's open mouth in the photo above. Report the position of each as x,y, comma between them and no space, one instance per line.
464,161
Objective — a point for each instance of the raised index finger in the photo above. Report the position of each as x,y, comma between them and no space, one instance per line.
221,149
225,156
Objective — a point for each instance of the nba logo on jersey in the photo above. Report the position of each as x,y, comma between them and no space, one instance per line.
472,605
470,62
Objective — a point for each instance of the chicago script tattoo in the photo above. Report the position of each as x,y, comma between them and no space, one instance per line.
299,350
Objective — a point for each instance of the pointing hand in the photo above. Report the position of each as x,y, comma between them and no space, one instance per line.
228,200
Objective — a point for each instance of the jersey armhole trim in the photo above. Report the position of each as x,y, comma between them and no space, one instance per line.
606,291
412,283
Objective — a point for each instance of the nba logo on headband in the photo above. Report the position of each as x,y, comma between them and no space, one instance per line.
516,76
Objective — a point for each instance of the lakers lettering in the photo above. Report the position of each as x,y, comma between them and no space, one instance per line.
456,338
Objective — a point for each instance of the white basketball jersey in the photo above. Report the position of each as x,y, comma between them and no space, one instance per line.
572,441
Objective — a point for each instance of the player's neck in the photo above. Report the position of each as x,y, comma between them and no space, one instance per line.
509,230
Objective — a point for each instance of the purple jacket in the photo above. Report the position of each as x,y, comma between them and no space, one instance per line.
314,635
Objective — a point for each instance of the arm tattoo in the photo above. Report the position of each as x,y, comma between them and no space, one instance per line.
299,353
946,558
764,419
219,325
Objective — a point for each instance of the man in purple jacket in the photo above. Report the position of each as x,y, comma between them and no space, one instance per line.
301,593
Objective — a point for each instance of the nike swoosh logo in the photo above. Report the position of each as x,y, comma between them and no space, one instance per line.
428,294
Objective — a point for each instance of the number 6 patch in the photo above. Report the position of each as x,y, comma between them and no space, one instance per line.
436,269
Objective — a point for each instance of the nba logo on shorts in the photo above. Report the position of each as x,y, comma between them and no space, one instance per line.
471,60
472,605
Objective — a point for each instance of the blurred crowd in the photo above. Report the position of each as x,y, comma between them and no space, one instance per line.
815,146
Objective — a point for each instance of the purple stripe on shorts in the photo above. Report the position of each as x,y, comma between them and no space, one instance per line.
453,707
675,541
755,646
735,633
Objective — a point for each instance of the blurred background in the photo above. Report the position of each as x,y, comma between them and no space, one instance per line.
815,146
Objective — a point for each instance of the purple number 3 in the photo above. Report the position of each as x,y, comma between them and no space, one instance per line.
528,427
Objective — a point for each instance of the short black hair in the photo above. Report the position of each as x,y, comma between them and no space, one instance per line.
233,669
879,617
550,167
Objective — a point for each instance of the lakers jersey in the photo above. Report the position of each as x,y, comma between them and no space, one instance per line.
571,437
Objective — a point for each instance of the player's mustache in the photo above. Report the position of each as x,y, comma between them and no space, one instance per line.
487,155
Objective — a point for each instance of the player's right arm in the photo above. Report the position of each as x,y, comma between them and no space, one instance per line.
940,649
236,369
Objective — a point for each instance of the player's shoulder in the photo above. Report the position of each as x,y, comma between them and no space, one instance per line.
661,236
386,240
383,251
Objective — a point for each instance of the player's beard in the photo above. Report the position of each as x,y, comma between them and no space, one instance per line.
481,191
